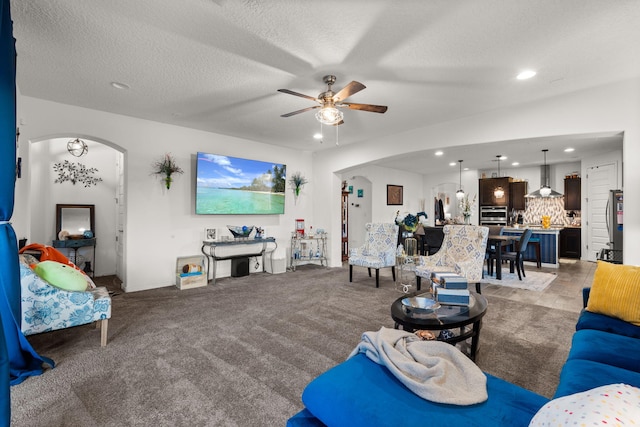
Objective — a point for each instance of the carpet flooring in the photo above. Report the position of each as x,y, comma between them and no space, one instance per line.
241,352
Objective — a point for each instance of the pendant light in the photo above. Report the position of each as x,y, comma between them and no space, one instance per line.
545,190
499,191
460,192
77,147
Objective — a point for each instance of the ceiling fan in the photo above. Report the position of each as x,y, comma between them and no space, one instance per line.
329,102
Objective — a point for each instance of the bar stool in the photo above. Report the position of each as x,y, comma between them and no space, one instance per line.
535,242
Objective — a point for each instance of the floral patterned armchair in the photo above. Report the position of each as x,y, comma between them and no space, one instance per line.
378,250
46,308
463,252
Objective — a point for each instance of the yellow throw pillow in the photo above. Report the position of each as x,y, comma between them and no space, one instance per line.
615,291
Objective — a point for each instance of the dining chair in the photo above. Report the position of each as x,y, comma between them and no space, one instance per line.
494,230
516,258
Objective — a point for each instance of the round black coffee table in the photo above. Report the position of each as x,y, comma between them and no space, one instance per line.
467,319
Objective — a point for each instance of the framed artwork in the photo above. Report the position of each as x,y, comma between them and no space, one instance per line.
394,194
360,192
351,189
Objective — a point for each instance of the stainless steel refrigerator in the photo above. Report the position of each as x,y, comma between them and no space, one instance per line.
615,220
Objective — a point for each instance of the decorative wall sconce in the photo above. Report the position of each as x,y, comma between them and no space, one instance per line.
167,167
77,147
296,182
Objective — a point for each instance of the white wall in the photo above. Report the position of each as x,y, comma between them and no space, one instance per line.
380,177
161,224
614,107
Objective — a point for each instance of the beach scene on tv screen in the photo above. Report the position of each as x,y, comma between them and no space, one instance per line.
232,185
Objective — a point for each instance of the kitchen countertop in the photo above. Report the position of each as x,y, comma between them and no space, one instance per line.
536,229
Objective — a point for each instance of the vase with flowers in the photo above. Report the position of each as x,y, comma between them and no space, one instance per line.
167,167
297,181
466,207
410,222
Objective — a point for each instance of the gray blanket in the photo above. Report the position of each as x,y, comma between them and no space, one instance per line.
433,370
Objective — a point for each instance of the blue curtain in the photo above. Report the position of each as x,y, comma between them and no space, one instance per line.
18,360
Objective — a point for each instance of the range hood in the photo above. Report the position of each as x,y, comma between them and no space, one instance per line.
545,191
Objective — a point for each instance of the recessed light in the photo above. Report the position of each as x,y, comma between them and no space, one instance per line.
515,164
569,150
119,85
438,153
526,74
503,157
317,136
452,164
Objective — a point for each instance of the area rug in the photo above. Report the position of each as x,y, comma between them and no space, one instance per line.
534,280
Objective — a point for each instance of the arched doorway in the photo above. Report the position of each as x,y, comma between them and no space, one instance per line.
47,187
360,208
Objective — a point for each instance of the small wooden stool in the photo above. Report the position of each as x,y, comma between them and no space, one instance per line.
535,242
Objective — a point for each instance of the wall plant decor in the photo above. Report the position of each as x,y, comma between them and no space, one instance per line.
75,172
167,167
297,181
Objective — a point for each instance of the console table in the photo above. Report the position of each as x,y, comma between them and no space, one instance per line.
74,245
251,248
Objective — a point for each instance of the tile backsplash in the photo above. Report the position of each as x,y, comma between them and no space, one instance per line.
552,207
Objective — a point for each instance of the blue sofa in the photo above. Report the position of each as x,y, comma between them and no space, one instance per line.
358,392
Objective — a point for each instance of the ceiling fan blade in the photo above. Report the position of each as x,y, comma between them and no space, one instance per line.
365,107
290,92
348,90
293,113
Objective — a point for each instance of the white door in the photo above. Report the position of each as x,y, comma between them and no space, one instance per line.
600,179
120,208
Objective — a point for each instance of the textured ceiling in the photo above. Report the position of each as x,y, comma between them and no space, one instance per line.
216,65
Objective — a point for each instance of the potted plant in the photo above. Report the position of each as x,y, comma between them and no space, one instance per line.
167,167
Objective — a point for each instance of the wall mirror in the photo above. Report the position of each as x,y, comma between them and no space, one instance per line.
75,219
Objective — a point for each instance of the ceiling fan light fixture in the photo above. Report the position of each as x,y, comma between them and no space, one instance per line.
77,147
329,115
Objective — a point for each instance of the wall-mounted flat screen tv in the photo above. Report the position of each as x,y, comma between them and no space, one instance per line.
233,186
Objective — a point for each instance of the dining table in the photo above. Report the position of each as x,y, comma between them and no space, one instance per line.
500,241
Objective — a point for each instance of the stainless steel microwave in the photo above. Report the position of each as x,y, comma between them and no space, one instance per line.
493,215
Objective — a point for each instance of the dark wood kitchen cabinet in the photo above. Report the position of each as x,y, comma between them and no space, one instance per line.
517,191
572,194
570,243
487,188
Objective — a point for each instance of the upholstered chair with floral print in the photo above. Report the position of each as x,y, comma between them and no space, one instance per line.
462,252
378,250
47,308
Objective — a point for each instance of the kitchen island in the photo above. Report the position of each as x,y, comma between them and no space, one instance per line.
549,240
